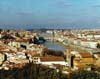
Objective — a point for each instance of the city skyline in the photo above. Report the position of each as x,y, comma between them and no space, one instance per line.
49,13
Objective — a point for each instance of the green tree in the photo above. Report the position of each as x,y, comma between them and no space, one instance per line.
98,45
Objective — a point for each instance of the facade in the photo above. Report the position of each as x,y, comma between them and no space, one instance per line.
14,44
1,58
84,60
36,60
89,43
49,60
97,59
80,59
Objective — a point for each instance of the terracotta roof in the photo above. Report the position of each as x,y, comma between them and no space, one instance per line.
18,66
22,40
32,53
51,58
7,51
85,55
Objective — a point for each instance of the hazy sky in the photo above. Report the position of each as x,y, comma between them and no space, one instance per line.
66,13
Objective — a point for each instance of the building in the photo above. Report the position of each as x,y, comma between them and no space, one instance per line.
50,60
82,60
97,59
88,43
1,58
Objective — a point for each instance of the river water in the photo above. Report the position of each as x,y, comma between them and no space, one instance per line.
55,46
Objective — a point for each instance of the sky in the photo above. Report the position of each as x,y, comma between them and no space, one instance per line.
49,13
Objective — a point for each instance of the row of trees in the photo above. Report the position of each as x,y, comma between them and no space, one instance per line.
31,71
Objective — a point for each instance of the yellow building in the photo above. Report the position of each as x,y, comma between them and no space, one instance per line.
82,60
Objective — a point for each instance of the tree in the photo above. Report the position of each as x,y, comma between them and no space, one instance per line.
98,45
83,74
31,71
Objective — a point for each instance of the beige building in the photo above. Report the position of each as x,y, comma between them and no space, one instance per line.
97,59
1,58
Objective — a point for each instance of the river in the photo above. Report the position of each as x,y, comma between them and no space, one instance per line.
55,46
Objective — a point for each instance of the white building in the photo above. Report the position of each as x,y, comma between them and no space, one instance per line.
89,43
50,60
14,44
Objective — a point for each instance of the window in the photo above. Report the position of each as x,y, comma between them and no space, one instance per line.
35,61
35,58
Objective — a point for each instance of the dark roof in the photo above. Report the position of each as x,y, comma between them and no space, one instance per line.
51,58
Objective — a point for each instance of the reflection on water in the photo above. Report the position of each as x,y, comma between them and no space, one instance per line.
55,46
